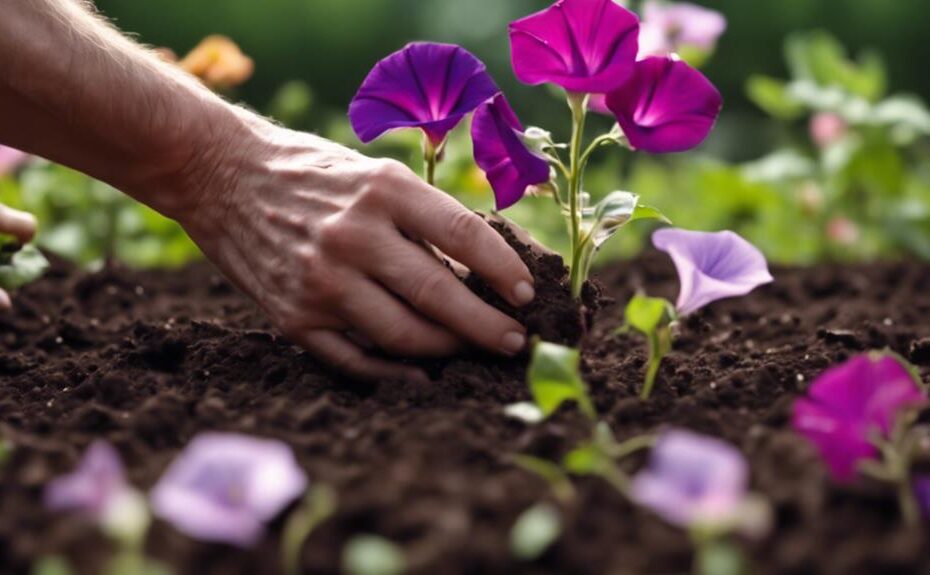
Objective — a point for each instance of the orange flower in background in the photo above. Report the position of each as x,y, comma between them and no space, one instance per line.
218,62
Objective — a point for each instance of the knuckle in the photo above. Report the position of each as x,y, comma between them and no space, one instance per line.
335,235
426,287
464,227
389,170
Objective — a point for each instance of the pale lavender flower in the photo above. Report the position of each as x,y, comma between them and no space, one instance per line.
711,266
671,27
693,480
10,159
225,487
98,480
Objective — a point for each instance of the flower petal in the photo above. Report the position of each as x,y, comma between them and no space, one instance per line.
509,165
667,106
670,26
424,85
841,443
711,266
98,479
586,46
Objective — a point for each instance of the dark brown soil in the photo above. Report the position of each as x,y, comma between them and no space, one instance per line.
147,360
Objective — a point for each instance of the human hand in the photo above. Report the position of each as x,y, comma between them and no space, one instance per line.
327,242
21,226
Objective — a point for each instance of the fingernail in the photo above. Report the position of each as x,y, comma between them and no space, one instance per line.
523,293
513,343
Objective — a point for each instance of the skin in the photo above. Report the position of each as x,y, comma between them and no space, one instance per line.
330,243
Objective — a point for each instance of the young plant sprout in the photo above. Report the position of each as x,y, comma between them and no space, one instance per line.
701,484
860,416
427,86
711,266
225,487
589,49
98,489
19,265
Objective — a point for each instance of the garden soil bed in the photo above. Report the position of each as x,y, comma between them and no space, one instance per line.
148,359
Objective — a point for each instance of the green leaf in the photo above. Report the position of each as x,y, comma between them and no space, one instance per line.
550,472
648,213
372,555
586,459
318,505
22,267
609,215
647,314
535,530
52,565
720,558
819,57
554,378
771,95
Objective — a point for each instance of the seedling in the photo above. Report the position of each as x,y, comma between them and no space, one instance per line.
661,105
19,265
710,266
535,530
318,505
861,416
372,555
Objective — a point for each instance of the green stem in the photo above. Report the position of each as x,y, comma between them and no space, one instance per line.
652,368
578,104
910,510
430,157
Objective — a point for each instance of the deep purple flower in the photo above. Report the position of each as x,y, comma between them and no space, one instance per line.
667,106
424,85
922,494
693,480
670,27
849,403
499,150
711,266
585,46
225,486
10,159
97,482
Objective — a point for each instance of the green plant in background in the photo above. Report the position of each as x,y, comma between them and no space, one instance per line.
19,265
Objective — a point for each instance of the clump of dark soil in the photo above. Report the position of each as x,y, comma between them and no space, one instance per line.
148,359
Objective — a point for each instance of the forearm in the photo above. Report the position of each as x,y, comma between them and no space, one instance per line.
74,90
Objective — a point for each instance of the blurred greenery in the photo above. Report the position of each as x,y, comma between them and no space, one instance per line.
851,65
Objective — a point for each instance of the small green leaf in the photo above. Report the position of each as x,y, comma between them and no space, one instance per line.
720,558
372,555
611,214
553,475
52,565
771,95
648,213
318,505
22,267
535,530
554,378
647,314
586,459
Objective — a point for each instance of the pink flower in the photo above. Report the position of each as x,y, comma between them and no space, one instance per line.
827,129
850,404
670,27
10,159
843,231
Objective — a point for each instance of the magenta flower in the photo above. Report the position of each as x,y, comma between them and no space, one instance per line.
849,403
97,482
424,85
509,165
225,487
693,480
670,27
711,266
10,159
667,106
585,46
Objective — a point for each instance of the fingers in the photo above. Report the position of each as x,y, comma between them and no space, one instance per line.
340,353
18,224
391,325
462,234
433,290
5,302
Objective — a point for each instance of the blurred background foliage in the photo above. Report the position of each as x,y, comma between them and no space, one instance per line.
852,69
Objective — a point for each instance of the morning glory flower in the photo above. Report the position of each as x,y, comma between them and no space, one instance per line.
424,85
673,27
667,106
850,403
499,150
693,480
585,46
10,159
225,487
711,266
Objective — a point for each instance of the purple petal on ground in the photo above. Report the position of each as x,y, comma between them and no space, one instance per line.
509,165
98,479
667,106
425,85
849,403
585,46
711,265
225,487
692,479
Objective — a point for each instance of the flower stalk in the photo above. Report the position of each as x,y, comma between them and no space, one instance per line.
579,106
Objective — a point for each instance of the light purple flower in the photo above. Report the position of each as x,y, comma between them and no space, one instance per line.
225,487
10,159
585,46
850,402
693,480
509,165
711,266
424,85
97,482
669,27
667,106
